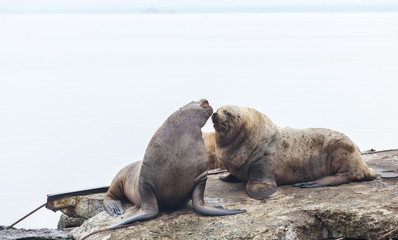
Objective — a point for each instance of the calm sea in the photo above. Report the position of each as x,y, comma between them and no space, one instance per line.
81,95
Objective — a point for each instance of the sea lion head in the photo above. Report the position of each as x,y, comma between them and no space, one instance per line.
199,110
228,122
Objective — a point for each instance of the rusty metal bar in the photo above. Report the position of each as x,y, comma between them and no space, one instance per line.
27,215
55,196
54,204
57,201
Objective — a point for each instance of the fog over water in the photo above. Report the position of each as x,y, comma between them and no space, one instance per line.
81,95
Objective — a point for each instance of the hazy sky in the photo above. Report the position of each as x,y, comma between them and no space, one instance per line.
120,6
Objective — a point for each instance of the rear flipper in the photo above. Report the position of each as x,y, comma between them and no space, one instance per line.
334,180
149,208
200,206
113,206
139,216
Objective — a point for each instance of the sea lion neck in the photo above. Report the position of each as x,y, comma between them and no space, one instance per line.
193,119
250,141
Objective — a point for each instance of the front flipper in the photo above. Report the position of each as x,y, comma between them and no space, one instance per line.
229,178
261,184
113,206
201,207
149,208
334,180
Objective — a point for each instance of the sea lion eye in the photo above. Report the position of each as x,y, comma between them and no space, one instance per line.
228,114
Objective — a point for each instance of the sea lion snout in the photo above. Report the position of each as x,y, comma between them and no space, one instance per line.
203,103
214,118
218,123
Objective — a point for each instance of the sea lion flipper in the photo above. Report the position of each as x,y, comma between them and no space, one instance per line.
113,206
148,210
260,190
201,207
334,180
229,178
141,215
312,184
261,184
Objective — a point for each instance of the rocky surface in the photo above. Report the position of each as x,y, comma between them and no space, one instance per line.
359,210
33,234
66,222
83,208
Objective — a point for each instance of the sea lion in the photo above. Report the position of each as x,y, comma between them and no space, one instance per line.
212,161
264,156
174,170
124,185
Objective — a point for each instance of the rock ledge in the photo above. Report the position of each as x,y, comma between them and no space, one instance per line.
359,210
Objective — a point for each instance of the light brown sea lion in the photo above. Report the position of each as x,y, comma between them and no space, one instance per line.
263,155
212,161
173,171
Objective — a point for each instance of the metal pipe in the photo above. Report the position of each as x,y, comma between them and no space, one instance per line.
27,215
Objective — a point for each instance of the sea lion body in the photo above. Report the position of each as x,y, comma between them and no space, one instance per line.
212,161
124,185
175,159
263,155
173,170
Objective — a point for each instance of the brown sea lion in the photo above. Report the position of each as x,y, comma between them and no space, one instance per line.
263,155
173,171
212,161
124,185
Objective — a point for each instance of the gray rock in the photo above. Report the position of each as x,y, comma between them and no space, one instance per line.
69,222
359,210
33,234
85,206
